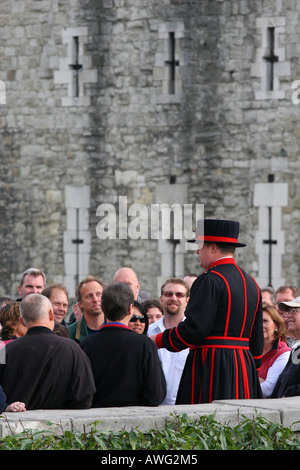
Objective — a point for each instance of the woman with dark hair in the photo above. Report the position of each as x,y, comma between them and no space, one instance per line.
276,352
139,320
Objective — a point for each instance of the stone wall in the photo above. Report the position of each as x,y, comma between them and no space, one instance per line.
118,130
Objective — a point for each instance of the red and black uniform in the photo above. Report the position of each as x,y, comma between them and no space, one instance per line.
223,329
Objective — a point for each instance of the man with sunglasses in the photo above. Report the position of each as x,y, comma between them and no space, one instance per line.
174,297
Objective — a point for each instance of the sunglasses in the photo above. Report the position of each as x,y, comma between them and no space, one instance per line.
136,318
180,295
292,311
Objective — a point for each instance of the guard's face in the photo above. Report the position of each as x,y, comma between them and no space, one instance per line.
205,255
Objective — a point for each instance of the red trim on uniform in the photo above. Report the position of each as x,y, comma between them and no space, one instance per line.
219,262
229,342
229,302
258,357
245,376
115,325
158,340
203,357
236,377
211,375
193,380
227,338
258,297
211,238
245,298
215,346
171,342
179,337
160,344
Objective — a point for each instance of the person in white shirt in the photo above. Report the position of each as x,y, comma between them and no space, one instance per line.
174,297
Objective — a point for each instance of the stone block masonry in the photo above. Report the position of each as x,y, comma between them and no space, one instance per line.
125,97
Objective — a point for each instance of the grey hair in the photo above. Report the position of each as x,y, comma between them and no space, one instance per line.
33,272
272,293
33,307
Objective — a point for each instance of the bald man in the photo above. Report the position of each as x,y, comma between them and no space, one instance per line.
129,277
44,370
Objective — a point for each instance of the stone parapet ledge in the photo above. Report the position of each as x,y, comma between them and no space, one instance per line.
230,412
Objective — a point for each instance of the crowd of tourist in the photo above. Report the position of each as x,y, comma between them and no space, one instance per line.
120,348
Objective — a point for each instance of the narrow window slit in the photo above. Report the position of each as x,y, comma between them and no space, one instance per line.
76,66
271,59
172,63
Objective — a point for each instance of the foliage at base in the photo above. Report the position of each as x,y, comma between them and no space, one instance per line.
181,433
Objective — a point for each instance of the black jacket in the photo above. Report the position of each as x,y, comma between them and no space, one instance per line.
126,367
47,371
288,383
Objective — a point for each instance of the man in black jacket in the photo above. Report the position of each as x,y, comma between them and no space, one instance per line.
288,382
125,364
44,370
